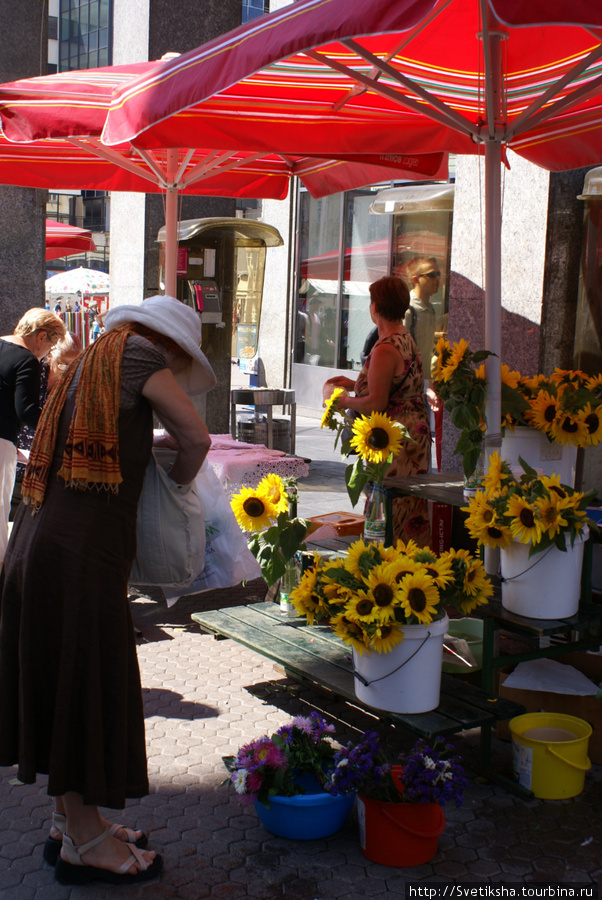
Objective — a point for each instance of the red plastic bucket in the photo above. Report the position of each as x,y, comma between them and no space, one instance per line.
399,834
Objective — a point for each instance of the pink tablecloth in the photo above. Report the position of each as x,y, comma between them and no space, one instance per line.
239,463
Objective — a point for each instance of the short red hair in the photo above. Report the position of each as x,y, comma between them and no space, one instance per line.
391,297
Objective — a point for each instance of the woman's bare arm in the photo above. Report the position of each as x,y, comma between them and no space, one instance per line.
176,412
383,361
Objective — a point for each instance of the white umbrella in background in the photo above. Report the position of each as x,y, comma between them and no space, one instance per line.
78,281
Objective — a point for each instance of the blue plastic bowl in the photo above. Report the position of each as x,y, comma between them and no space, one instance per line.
305,817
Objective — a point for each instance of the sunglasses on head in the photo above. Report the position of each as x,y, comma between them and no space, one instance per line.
433,274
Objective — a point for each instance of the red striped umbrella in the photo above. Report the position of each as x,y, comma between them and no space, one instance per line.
65,240
52,126
386,76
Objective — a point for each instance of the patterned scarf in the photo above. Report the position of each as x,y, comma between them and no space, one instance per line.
91,455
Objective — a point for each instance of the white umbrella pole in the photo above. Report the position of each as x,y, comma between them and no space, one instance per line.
171,226
493,312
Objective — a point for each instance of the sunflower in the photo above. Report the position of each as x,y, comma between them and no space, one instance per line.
376,436
525,525
361,607
443,353
594,384
512,379
467,605
359,559
419,596
273,487
331,408
593,423
544,409
350,633
439,569
306,599
550,515
495,535
253,509
496,473
456,356
383,589
404,565
386,636
569,377
475,579
569,430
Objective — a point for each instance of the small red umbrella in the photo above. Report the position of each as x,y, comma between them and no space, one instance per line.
65,240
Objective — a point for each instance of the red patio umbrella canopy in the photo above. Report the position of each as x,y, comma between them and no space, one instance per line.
65,240
384,77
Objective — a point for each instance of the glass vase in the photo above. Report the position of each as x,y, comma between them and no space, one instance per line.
375,519
289,581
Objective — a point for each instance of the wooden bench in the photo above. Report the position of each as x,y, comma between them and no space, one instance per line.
313,654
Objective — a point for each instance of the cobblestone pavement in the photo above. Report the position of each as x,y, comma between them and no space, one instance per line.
203,699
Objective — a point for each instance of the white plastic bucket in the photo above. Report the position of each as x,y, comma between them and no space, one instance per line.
546,585
408,678
534,447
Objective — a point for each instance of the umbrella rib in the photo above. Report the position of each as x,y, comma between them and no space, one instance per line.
207,171
93,145
439,112
360,89
536,111
211,161
153,164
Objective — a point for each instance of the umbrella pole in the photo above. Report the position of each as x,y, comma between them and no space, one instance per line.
493,312
171,225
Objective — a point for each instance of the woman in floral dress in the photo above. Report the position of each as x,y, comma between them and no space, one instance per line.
391,381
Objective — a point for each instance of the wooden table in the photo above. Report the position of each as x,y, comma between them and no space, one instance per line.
313,654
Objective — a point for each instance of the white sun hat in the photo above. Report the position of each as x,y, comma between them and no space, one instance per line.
175,320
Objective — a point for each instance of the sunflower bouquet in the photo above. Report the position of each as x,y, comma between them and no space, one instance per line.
566,406
376,439
265,512
532,509
368,595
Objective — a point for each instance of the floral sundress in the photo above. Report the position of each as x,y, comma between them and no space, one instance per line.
406,405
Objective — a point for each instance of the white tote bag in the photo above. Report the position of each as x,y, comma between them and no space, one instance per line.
170,532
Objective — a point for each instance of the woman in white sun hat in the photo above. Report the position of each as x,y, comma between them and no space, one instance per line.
70,697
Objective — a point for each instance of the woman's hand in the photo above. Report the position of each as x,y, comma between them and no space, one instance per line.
434,400
341,381
177,414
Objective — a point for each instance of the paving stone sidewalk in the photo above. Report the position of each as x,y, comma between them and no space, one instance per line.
204,698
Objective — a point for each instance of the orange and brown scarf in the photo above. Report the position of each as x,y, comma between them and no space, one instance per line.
91,455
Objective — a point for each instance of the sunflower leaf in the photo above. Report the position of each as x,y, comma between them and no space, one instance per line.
355,478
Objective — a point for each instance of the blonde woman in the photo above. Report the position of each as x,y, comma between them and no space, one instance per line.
20,354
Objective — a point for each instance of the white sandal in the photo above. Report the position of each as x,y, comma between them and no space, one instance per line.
52,846
71,869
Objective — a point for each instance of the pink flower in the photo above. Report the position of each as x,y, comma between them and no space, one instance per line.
303,724
267,754
253,782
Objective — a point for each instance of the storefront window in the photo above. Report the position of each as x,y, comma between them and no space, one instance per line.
347,241
367,258
319,277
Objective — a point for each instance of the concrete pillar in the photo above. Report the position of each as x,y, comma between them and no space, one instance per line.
23,53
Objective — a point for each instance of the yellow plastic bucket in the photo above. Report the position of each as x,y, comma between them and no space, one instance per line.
549,754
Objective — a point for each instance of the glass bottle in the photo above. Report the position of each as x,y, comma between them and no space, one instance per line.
375,520
289,581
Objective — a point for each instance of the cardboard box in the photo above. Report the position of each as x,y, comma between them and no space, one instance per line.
587,708
344,523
